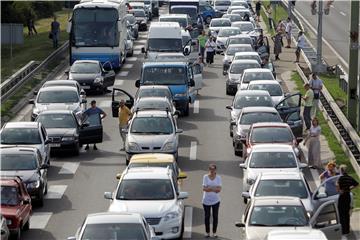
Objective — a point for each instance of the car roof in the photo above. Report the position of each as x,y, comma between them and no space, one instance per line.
257,70
86,61
113,217
220,19
239,45
21,125
242,61
58,88
60,81
152,157
270,147
246,53
259,109
153,99
276,200
252,93
152,113
282,176
147,173
9,181
165,64
264,82
229,28
270,124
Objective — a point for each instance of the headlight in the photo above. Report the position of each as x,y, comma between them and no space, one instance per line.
99,80
35,184
8,221
131,146
169,146
170,215
68,138
180,94
250,181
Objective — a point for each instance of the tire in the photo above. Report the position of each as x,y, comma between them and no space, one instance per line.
27,225
77,147
46,189
40,200
187,110
208,19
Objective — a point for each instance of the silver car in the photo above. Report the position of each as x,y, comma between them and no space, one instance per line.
217,23
152,132
240,39
248,55
231,50
254,74
155,103
271,86
223,35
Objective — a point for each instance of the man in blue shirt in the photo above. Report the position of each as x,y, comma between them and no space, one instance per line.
94,110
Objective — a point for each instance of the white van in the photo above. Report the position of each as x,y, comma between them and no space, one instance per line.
182,19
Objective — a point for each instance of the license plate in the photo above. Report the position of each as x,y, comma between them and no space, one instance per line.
85,87
54,144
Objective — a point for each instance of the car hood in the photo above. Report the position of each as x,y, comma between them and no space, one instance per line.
256,233
150,141
84,77
26,176
56,132
149,209
277,99
57,106
234,76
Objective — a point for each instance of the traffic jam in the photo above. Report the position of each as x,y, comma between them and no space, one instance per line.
181,39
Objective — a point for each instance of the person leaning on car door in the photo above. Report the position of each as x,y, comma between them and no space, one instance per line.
124,116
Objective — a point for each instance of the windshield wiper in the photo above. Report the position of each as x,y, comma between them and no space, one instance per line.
290,225
262,225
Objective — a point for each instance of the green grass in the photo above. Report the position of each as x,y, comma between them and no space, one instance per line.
340,156
36,47
279,13
331,83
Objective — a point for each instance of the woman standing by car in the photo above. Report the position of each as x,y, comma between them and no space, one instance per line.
211,200
314,145
277,44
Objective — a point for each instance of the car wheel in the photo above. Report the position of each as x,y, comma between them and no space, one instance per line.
208,19
40,200
46,189
187,110
27,225
77,147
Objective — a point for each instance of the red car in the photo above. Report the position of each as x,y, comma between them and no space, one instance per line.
271,132
15,205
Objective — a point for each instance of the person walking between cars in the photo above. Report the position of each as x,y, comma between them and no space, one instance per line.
314,160
210,50
316,85
124,116
308,98
288,30
91,111
300,45
211,200
277,44
344,186
55,32
202,42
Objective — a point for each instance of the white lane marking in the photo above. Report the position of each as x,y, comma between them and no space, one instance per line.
118,82
123,73
138,46
55,191
141,41
69,168
315,175
342,13
196,106
131,59
127,66
39,220
188,222
193,149
22,114
137,52
105,104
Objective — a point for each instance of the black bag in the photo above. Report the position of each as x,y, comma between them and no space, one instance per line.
50,35
316,95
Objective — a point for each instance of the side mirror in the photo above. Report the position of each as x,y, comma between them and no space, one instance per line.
82,92
108,195
26,201
303,165
186,51
228,107
143,50
183,195
191,83
31,101
239,224
179,130
137,83
225,73
182,175
44,166
118,176
83,101
35,93
245,194
242,165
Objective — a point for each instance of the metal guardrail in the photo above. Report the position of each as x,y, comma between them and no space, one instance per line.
11,85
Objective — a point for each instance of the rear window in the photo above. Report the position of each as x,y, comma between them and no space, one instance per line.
271,135
239,68
253,101
255,117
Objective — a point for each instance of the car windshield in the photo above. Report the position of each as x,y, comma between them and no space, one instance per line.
246,27
116,231
273,89
222,3
233,18
281,187
249,76
18,162
278,216
182,21
164,75
253,101
154,93
20,136
238,68
165,44
57,120
138,13
220,23
232,50
9,196
160,105
62,96
255,117
153,164
248,57
272,160
152,125
240,41
145,189
85,68
228,32
271,135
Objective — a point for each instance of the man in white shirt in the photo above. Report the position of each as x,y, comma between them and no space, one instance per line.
300,45
288,30
316,85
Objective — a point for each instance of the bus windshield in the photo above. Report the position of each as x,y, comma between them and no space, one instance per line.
95,27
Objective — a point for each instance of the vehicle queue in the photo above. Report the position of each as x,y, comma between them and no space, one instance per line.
148,202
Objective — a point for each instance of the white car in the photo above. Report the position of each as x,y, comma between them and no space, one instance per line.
244,26
273,87
152,192
247,55
129,44
217,23
254,74
240,39
265,214
269,158
223,35
232,49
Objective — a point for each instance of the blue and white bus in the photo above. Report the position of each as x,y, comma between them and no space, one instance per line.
98,32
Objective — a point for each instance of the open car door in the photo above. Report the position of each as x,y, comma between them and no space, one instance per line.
198,78
325,192
326,219
115,100
289,110
91,131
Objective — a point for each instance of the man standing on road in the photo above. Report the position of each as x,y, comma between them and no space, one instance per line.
55,32
300,45
316,85
91,111
308,98
202,41
344,185
288,30
124,116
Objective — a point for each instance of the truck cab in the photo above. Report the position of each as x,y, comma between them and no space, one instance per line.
178,76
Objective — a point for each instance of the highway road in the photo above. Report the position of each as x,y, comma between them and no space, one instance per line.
77,184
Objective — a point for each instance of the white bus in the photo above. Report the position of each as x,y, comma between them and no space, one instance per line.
98,32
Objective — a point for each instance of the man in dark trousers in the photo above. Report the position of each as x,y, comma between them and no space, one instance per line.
344,185
55,32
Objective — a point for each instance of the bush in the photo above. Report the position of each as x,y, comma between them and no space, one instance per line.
44,9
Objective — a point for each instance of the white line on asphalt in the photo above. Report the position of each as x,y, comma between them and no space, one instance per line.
127,66
193,149
118,82
196,106
123,73
131,59
105,104
39,220
137,52
188,222
69,168
55,191
342,13
139,46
